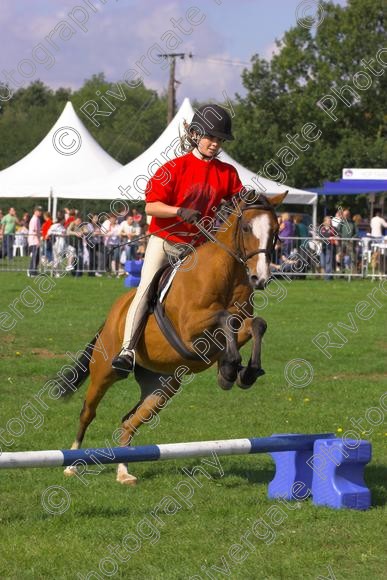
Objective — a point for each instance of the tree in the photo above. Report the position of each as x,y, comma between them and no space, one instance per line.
298,87
134,124
25,120
137,121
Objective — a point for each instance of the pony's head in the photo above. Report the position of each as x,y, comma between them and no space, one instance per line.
257,234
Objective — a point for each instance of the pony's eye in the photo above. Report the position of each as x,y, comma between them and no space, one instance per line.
246,228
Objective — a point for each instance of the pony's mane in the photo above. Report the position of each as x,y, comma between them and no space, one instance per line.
252,198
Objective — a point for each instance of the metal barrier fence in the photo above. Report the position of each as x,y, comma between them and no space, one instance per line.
294,257
329,258
67,254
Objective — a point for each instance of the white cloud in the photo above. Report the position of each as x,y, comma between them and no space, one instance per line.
116,40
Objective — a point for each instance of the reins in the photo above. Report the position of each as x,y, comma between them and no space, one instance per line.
240,254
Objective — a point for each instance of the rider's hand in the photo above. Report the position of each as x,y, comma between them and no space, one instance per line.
189,215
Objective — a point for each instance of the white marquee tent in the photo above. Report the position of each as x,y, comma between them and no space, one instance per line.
130,180
70,164
68,154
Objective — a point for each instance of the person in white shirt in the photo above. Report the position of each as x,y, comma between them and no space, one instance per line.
130,230
377,225
34,241
111,231
57,232
337,219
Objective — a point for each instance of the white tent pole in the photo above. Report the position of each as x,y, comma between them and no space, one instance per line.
54,207
49,200
314,215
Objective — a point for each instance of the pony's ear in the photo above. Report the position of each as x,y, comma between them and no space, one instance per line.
275,200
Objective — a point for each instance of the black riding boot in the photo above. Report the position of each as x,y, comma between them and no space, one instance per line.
123,363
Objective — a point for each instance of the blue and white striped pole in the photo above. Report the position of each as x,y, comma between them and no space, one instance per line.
304,463
62,458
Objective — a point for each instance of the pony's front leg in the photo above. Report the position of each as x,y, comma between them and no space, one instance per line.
249,374
155,395
230,359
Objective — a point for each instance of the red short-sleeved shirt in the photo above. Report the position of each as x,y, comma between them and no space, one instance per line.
193,183
45,227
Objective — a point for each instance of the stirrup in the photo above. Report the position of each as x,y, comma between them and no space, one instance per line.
124,362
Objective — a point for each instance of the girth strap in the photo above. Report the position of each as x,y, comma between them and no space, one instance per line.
170,333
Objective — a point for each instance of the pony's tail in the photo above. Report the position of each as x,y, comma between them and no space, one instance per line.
71,379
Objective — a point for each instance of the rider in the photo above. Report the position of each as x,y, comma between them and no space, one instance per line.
177,196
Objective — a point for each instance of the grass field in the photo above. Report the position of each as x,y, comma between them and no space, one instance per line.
191,539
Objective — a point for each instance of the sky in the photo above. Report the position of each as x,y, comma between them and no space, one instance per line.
63,42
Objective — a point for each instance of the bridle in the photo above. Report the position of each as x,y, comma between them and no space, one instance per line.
240,254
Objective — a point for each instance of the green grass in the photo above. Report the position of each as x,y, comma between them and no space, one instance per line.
308,541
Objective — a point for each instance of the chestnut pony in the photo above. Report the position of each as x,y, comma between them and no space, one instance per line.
209,306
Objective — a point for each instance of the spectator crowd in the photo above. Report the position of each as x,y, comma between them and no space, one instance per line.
338,243
99,244
95,245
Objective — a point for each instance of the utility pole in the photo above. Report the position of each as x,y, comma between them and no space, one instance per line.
172,81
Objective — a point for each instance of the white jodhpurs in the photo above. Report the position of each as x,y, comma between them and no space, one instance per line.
155,257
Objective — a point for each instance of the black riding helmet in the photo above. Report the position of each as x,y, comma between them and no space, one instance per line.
212,120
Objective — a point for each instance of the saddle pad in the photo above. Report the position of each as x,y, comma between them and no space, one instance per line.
167,286
168,283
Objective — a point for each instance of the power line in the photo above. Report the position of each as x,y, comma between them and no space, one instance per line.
171,88
223,61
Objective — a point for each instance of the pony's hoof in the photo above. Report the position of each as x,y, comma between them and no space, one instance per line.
247,377
70,471
124,477
224,383
127,479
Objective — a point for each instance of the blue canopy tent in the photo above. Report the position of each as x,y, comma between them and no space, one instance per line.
351,187
354,187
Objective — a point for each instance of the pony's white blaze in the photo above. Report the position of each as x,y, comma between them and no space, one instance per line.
261,229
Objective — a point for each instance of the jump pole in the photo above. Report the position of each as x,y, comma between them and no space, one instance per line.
319,465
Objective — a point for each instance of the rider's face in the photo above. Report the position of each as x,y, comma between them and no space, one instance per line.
209,145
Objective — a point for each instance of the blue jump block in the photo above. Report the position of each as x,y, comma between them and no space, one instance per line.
331,471
338,473
131,281
293,477
134,267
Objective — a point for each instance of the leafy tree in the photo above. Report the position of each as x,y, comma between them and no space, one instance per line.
283,95
135,124
24,121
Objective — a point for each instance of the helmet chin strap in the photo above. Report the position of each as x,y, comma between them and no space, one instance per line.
199,153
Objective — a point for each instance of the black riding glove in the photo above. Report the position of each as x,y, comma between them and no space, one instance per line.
188,215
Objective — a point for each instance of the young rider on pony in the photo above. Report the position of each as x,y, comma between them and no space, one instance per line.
181,192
